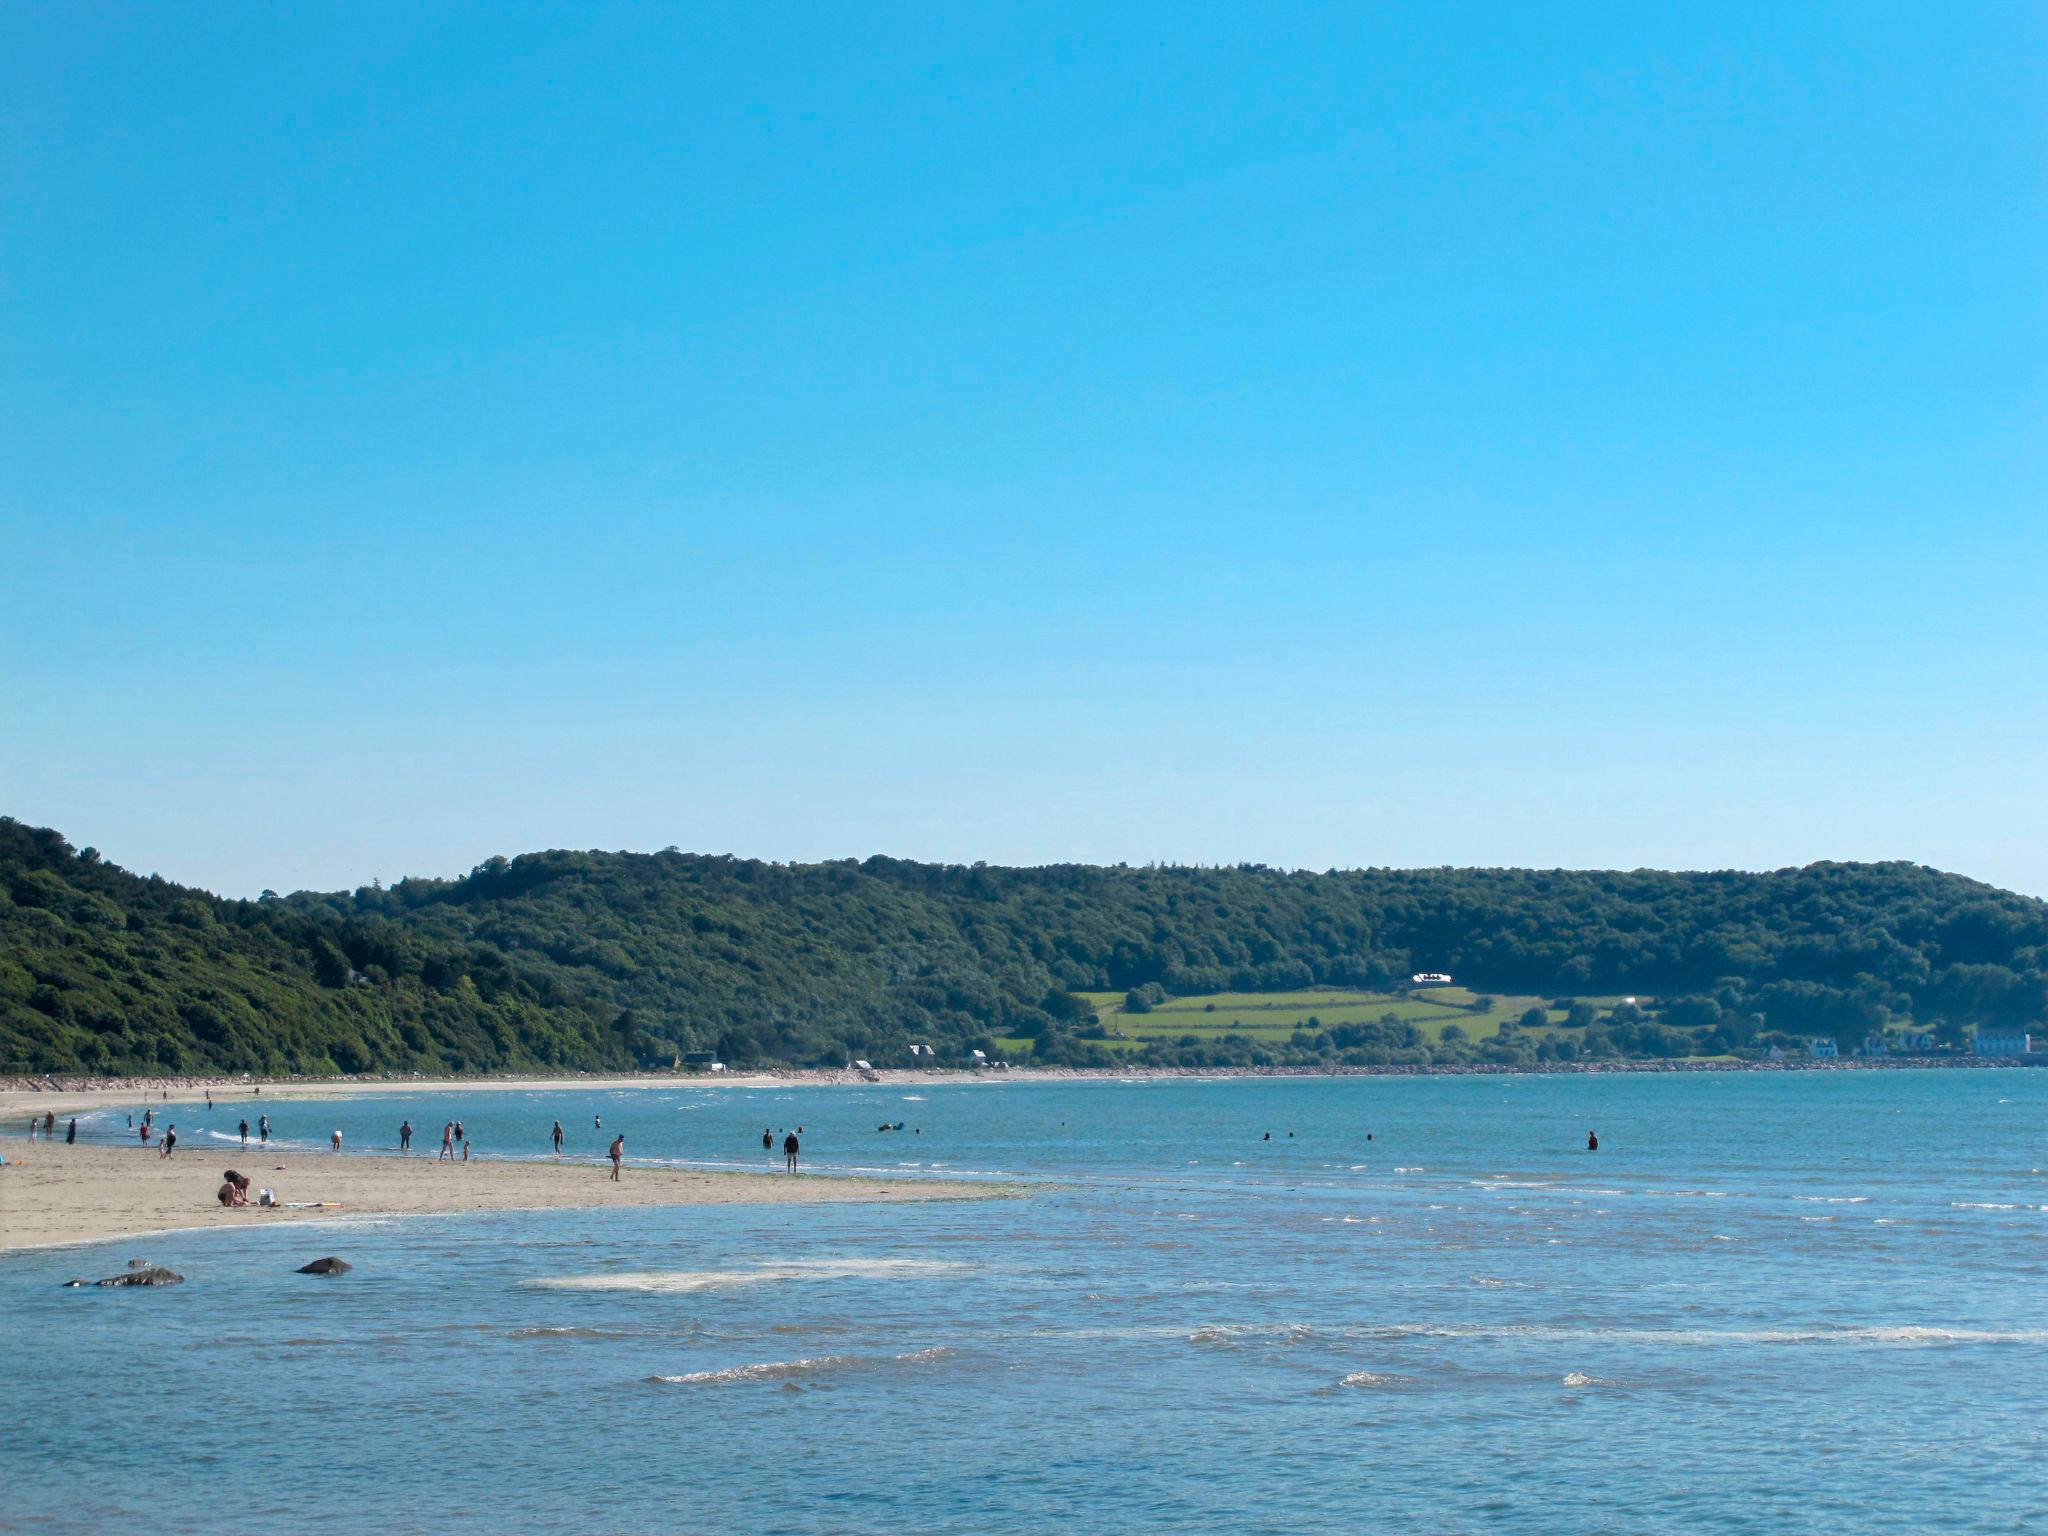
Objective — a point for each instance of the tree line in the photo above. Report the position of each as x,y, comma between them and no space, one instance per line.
612,960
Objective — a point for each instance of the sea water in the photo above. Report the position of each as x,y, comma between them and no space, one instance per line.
1768,1302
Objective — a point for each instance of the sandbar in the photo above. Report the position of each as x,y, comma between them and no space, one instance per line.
51,1193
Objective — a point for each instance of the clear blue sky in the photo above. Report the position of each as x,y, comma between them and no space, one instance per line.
1543,434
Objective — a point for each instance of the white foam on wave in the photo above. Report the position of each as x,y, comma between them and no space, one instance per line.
1240,1333
1376,1379
1980,1205
1581,1379
787,1370
913,1098
1832,1199
682,1281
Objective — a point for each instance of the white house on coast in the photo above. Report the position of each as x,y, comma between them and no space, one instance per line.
1822,1049
2003,1040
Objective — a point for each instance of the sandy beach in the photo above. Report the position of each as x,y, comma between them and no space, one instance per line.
51,1193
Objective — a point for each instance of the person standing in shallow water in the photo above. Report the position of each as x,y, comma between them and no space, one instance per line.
245,1135
1592,1142
558,1138
71,1132
447,1143
767,1139
617,1154
405,1137
789,1150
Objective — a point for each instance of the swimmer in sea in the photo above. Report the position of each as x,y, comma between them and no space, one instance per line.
1592,1142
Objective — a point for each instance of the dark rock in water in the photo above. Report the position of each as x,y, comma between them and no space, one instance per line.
71,1284
329,1266
149,1274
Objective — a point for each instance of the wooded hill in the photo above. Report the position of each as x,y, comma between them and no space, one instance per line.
608,960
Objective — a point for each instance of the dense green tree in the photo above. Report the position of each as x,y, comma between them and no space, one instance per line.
607,959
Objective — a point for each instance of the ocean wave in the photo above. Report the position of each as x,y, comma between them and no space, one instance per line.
584,1333
789,1370
1359,1379
1581,1379
683,1281
1832,1199
1227,1334
1980,1205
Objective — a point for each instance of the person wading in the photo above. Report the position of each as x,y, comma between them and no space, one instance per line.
789,1150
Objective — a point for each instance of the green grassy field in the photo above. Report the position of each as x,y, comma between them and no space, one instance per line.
1273,1016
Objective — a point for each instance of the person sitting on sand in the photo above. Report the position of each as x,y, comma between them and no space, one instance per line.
232,1193
789,1149
618,1154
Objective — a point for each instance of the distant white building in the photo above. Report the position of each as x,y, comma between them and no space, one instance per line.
1775,1053
1913,1042
1822,1050
2003,1040
1430,979
1874,1045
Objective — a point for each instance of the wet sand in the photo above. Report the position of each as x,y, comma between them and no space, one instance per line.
51,1193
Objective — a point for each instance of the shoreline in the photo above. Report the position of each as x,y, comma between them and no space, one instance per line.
21,1095
54,1196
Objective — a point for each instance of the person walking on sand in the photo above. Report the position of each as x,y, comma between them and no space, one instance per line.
465,1149
405,1137
789,1150
618,1154
245,1133
170,1140
558,1138
447,1143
